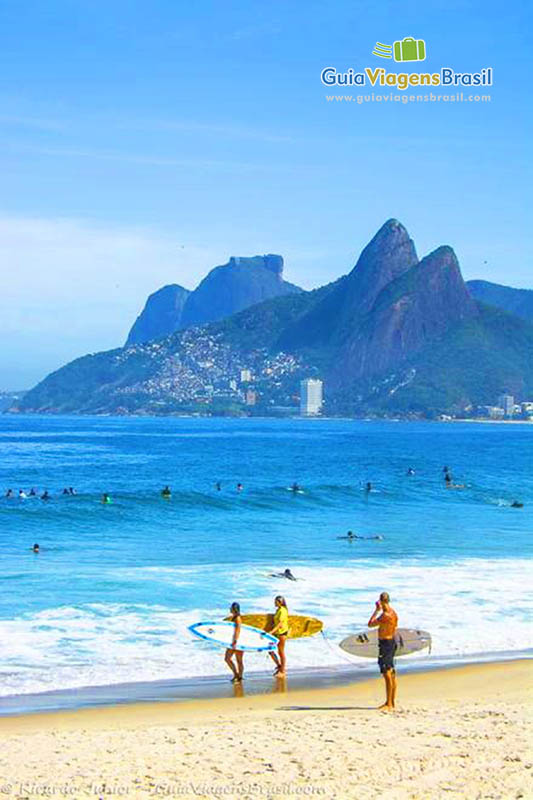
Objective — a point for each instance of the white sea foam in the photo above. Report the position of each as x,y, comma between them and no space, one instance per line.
470,607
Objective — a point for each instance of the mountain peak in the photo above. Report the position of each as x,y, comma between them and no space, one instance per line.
389,253
242,282
272,262
161,314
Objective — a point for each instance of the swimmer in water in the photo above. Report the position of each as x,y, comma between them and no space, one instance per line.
351,535
368,487
35,548
410,471
65,490
9,493
45,495
32,493
517,504
218,487
71,490
240,487
22,494
166,492
106,499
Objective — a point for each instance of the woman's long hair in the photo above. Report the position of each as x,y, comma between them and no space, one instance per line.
235,609
280,599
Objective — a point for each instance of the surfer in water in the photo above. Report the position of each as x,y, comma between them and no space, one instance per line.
238,668
240,487
410,471
166,492
281,631
295,488
386,619
36,548
106,499
218,487
351,537
285,574
517,504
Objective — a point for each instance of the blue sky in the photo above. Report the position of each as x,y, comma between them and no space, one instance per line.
144,143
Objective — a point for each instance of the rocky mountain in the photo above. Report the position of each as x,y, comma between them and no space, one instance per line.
395,335
388,255
160,316
417,307
226,290
515,301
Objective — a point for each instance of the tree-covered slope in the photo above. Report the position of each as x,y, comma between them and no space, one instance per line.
515,301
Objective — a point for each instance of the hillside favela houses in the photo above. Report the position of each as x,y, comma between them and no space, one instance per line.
397,336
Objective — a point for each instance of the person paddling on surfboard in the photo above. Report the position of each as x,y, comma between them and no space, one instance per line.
386,618
238,670
285,574
281,631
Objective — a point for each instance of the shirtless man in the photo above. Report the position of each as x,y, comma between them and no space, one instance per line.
386,619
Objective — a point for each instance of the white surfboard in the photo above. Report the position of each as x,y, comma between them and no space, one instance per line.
221,633
365,644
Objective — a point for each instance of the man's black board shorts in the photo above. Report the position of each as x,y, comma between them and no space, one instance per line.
387,650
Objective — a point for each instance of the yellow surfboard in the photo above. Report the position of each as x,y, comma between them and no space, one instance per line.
298,626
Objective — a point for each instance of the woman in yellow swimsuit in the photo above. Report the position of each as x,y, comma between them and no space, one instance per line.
281,630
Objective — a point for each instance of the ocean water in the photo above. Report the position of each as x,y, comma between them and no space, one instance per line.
110,596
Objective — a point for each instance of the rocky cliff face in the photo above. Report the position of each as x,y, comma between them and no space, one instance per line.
228,289
387,256
160,316
395,334
416,307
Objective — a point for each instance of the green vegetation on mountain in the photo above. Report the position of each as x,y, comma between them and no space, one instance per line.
516,301
394,336
226,290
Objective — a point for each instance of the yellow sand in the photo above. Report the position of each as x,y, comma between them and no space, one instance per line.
460,733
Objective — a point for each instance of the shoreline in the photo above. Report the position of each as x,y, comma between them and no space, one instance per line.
218,688
458,733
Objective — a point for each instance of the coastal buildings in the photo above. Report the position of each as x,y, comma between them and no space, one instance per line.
311,397
506,401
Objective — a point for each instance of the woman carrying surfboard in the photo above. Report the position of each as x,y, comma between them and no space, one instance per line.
238,669
280,631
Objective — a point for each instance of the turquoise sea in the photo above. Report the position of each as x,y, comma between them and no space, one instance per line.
109,598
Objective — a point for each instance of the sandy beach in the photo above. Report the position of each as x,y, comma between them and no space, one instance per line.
457,733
